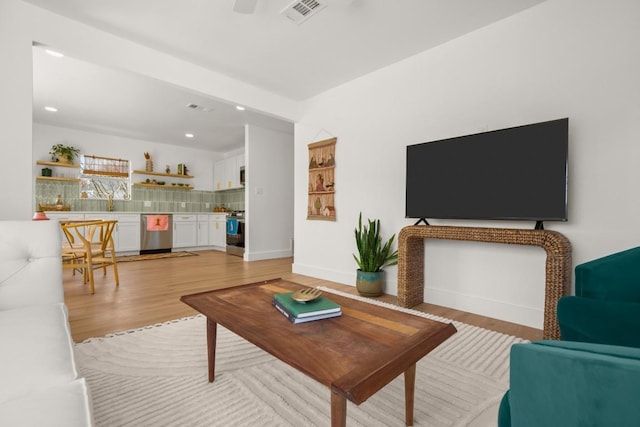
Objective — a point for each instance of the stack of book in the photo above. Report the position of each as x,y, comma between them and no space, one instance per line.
297,312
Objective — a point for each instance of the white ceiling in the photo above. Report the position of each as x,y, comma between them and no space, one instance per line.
347,39
104,100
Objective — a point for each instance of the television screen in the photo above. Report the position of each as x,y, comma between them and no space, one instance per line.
515,173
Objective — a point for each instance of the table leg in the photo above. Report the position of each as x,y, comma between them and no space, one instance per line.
212,331
338,410
409,389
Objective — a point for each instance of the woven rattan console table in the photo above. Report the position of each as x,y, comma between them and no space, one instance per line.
558,262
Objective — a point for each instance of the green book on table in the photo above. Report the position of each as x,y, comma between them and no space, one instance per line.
320,305
294,319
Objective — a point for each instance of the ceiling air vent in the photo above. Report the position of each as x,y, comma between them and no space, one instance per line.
193,106
300,11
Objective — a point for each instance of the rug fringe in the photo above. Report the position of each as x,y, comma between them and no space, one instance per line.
142,328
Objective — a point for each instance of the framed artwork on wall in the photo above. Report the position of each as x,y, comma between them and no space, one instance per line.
322,164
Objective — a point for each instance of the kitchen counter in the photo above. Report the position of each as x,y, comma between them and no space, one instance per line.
191,230
132,212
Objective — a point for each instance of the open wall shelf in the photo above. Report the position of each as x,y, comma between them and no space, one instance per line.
56,178
166,187
57,164
174,175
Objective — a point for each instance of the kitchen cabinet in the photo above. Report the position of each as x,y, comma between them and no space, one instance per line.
218,230
185,231
203,230
126,235
219,175
233,172
226,173
59,216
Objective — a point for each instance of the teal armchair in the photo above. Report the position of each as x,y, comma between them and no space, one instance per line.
592,377
606,306
572,384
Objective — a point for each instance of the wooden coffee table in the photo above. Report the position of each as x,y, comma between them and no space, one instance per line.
355,355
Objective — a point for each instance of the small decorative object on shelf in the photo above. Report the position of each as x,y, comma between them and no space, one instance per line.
63,153
148,166
167,169
317,204
180,172
46,171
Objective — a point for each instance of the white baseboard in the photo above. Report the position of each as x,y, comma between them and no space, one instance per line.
391,286
258,256
324,274
527,316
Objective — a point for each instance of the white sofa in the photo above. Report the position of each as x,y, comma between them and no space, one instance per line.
39,383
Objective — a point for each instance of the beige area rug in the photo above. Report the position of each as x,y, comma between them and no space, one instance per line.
154,256
157,376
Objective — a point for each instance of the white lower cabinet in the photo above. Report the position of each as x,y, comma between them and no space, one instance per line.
189,230
127,235
61,216
218,230
185,231
203,230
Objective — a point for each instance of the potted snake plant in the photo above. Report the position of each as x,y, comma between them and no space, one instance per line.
372,257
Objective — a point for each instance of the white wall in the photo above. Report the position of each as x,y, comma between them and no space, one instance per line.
199,162
15,112
563,58
269,193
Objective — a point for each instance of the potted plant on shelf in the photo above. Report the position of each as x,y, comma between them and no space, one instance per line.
372,257
63,153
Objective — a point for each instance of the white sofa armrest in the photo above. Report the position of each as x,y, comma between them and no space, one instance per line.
30,263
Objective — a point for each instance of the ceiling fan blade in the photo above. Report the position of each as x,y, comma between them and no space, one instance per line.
245,6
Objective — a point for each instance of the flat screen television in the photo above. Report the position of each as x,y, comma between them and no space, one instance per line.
518,173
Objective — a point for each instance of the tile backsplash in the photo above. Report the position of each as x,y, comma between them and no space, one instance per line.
161,200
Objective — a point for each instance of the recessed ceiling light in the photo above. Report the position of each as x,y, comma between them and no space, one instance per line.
239,107
189,135
54,53
51,109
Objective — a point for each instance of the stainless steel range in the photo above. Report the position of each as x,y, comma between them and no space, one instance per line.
235,233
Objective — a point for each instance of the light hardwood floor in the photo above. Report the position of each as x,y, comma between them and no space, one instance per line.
150,292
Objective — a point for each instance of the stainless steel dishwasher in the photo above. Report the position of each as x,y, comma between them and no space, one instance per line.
156,233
